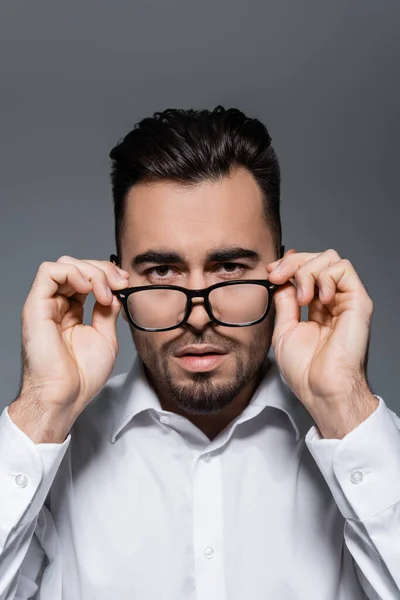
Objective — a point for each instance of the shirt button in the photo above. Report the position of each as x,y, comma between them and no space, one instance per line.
164,419
206,457
209,552
356,477
21,480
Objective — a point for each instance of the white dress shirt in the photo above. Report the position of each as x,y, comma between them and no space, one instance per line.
138,504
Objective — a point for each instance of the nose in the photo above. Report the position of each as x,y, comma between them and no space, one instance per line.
198,317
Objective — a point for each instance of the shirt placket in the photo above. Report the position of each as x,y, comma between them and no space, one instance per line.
208,528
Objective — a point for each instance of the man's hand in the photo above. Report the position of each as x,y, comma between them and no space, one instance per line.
323,359
65,362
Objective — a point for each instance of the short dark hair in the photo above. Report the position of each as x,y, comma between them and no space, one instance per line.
190,146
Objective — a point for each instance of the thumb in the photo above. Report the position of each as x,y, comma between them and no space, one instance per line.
288,312
104,319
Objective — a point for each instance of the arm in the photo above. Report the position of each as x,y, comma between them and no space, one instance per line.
65,363
362,471
27,471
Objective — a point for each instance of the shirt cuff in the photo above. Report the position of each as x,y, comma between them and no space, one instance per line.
362,469
27,471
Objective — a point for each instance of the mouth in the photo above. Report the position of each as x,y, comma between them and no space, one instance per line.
200,359
201,362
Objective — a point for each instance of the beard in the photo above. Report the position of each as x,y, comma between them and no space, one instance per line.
202,395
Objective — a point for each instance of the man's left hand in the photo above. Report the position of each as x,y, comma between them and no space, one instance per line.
323,359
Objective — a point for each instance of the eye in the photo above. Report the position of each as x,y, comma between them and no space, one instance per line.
232,268
160,271
167,272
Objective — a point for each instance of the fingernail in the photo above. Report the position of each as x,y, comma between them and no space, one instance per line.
122,279
299,293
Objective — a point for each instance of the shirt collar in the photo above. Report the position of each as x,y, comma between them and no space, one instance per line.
136,396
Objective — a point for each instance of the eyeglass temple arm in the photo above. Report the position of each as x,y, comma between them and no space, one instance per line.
114,258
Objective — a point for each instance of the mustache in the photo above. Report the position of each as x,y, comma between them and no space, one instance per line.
220,342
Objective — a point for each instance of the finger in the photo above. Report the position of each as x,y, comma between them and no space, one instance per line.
341,277
104,276
305,272
319,313
288,312
44,298
308,277
53,278
104,320
292,263
274,264
106,265
111,270
324,282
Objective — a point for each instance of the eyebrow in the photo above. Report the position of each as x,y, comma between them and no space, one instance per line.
168,257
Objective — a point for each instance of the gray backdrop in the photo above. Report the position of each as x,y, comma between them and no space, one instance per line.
324,76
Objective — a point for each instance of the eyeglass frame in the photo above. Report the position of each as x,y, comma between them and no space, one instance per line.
204,293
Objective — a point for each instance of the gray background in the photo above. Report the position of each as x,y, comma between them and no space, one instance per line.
324,76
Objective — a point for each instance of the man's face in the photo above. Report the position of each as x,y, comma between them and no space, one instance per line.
191,222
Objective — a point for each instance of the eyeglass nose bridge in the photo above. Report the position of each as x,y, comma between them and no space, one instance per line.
197,293
201,293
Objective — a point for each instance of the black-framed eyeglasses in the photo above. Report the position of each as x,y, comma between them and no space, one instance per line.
238,303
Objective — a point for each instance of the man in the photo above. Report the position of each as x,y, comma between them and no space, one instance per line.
244,455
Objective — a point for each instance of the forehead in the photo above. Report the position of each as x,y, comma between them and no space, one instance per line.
192,219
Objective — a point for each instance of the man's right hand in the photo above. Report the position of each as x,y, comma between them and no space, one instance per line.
66,363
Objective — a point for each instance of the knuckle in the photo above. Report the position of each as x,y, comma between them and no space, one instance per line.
346,263
369,305
45,266
75,269
64,258
102,275
332,252
327,283
303,273
99,278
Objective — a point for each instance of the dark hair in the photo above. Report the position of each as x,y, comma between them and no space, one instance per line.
189,146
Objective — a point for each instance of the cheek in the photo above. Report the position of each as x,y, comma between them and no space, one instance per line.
150,343
260,335
244,338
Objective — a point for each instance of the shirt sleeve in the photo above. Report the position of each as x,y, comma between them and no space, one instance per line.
362,471
27,471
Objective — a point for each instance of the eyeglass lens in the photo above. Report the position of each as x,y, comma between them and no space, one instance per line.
234,305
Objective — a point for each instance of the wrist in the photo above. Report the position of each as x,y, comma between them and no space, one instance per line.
338,421
42,426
